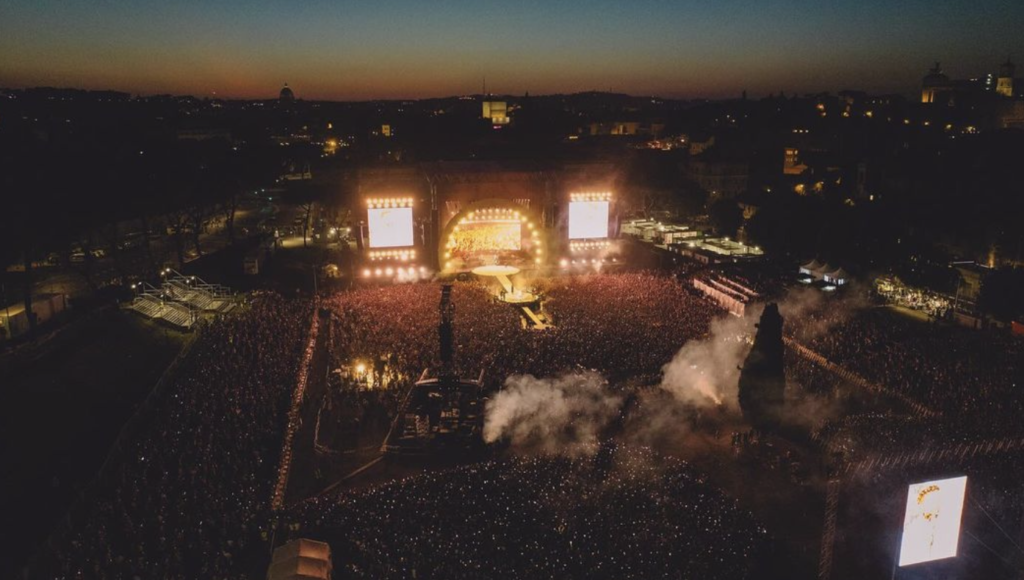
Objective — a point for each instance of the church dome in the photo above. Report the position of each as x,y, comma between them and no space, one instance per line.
286,94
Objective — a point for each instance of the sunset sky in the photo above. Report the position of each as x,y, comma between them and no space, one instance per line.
334,49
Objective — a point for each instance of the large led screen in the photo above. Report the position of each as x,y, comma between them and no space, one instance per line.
390,227
931,527
588,219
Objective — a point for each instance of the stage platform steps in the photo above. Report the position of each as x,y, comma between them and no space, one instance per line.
154,308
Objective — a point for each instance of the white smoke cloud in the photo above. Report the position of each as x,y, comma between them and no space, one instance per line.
563,415
706,372
809,312
566,415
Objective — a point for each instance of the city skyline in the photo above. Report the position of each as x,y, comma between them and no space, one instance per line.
403,50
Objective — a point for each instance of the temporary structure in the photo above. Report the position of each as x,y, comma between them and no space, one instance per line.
301,559
838,276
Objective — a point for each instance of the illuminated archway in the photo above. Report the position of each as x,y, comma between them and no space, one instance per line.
495,215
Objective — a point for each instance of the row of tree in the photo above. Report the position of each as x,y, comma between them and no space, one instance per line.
71,193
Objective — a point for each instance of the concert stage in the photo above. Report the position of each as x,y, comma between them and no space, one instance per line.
518,298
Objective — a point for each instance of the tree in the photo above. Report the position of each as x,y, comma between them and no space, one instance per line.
307,208
228,209
178,221
1002,294
197,219
726,216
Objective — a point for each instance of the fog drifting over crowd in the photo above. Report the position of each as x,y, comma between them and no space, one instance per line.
568,414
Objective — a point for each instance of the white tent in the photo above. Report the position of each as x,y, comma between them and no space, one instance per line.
838,276
810,267
820,271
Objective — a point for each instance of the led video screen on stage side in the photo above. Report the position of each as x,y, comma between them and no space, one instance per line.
390,227
588,219
931,527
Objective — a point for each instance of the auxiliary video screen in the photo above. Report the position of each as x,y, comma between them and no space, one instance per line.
588,219
390,227
931,527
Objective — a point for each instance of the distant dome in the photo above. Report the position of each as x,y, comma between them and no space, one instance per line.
286,94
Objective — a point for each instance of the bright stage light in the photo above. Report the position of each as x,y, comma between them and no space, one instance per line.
366,273
588,219
390,227
931,526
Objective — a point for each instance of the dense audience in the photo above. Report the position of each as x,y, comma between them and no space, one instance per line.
182,503
190,496
637,516
953,370
621,325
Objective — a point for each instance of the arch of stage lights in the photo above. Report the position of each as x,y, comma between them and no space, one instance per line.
527,216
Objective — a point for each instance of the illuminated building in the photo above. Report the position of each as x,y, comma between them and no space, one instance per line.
496,112
934,82
14,320
936,87
1004,84
699,145
791,163
625,128
1011,115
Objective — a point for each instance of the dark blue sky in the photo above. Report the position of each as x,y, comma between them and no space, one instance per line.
416,48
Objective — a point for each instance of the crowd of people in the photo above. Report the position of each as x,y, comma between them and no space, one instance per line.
952,370
639,515
621,325
191,491
893,291
185,497
856,437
